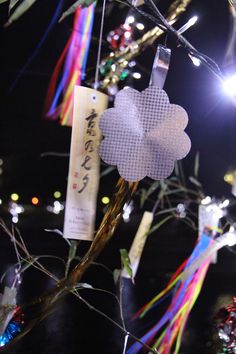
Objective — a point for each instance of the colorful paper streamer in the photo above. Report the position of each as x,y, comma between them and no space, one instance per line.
74,57
185,291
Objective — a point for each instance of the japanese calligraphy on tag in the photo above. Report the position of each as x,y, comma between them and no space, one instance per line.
83,180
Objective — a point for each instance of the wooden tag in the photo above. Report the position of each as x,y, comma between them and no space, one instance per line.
138,244
83,179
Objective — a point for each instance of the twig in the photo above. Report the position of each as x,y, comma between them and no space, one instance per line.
106,230
91,307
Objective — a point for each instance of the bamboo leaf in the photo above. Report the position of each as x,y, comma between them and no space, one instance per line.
71,255
72,250
196,165
2,1
74,7
126,262
194,181
168,210
143,193
158,225
146,193
84,286
162,192
181,171
177,169
107,171
153,188
20,10
175,191
27,264
116,275
12,4
59,232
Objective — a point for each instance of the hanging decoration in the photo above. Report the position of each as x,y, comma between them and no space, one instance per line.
209,214
138,244
84,166
74,57
158,77
144,134
227,328
185,287
185,293
11,317
115,64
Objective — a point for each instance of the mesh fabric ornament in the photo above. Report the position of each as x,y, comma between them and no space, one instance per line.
144,134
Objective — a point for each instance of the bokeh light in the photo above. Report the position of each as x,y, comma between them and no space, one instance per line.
57,194
35,201
105,200
15,197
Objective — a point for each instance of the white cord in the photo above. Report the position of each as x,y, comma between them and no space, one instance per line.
100,45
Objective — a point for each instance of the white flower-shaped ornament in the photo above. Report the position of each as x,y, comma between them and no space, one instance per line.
144,134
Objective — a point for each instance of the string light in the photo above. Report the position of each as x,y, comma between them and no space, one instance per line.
140,26
206,200
229,239
15,219
229,85
137,75
128,207
224,204
189,24
232,228
132,63
127,34
195,61
130,19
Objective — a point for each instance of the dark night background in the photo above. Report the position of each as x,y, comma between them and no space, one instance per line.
25,135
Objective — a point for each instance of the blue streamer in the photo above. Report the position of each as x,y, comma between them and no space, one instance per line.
40,44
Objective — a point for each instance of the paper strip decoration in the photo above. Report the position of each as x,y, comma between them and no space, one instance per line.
144,134
74,57
185,287
138,244
84,165
185,293
209,217
7,307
